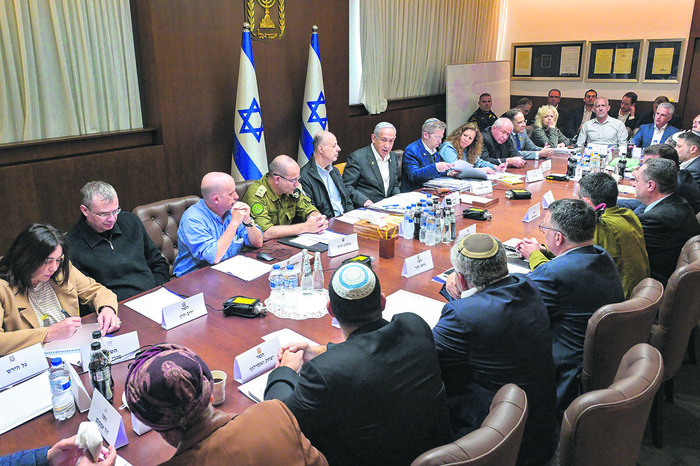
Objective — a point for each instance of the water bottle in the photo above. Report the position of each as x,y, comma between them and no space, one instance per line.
622,166
423,220
290,287
61,393
579,168
101,372
276,293
307,275
430,229
571,166
407,224
429,203
447,229
318,272
453,224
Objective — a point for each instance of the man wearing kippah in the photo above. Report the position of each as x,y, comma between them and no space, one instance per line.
375,399
496,332
579,279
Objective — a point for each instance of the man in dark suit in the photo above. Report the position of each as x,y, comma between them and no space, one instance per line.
372,173
421,161
580,115
498,333
668,220
576,282
688,147
483,116
658,131
648,117
322,181
627,110
499,147
375,399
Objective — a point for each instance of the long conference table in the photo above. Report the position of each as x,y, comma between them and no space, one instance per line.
219,339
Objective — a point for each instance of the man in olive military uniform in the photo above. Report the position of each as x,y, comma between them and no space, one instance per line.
278,204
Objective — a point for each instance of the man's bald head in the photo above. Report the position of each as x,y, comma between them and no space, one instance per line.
215,183
283,165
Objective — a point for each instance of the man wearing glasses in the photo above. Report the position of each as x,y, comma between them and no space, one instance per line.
279,205
578,280
112,246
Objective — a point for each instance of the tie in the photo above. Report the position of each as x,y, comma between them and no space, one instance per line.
517,141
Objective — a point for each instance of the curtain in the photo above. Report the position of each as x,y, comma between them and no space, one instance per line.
405,44
66,68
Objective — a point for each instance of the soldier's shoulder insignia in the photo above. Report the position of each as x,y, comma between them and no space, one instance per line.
260,192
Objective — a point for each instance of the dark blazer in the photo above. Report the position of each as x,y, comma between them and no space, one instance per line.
667,227
631,122
375,399
566,283
314,188
363,179
573,121
497,336
645,135
494,152
127,261
694,169
418,166
688,189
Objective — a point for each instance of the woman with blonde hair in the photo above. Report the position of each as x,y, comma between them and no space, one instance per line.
546,131
465,143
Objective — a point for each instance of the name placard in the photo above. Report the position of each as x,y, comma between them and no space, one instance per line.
546,166
470,230
22,364
108,420
80,394
482,187
547,199
534,175
255,361
294,261
184,311
533,212
453,197
139,427
417,264
342,245
119,347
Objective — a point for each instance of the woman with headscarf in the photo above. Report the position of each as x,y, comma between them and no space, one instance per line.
169,388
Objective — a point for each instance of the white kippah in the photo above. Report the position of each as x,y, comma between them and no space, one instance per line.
353,281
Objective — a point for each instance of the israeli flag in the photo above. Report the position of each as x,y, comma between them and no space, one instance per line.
249,154
313,112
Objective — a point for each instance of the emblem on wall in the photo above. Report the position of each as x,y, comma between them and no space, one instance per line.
267,19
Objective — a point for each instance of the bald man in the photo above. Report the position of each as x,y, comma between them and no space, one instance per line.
216,227
499,146
279,205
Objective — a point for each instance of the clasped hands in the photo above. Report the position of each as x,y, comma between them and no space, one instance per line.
294,355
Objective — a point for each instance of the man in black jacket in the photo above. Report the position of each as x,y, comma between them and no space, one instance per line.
499,147
322,181
112,246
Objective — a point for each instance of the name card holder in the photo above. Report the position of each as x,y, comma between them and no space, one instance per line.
546,166
22,364
470,230
255,361
184,311
547,199
533,212
482,187
417,264
108,420
342,245
118,347
534,175
80,394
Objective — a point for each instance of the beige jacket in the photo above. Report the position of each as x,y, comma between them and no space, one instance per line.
20,327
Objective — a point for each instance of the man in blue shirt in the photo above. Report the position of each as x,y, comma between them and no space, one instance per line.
421,161
322,181
216,227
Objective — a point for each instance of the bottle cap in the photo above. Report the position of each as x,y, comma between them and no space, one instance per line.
95,345
96,334
276,266
56,361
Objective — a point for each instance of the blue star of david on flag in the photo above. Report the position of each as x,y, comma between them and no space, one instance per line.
247,127
314,106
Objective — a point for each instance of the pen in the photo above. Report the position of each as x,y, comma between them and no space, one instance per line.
65,314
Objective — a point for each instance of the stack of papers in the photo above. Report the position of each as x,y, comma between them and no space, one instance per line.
450,183
324,237
356,215
151,305
244,267
398,203
25,401
405,301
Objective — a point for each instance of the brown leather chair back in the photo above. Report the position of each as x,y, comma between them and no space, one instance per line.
680,308
616,328
161,220
242,187
496,442
606,426
399,159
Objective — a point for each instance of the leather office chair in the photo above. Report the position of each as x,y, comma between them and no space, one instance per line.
496,442
616,328
399,159
161,220
340,167
242,187
678,316
606,426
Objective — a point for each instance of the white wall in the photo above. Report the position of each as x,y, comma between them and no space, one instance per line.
548,21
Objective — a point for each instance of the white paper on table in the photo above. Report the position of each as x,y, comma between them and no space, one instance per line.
513,242
347,218
399,202
518,266
324,237
121,462
470,199
625,189
151,305
25,401
246,268
255,389
70,346
428,309
287,336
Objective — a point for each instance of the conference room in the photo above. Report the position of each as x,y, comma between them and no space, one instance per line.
187,56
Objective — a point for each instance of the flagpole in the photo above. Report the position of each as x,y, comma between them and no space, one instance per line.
249,153
313,113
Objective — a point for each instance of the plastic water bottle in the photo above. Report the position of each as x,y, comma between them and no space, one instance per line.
276,283
430,230
61,393
447,229
307,275
318,272
407,225
290,287
101,371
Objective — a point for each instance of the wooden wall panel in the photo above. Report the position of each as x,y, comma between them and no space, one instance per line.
19,201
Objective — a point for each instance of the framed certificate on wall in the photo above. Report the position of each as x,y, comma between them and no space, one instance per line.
616,61
547,61
663,60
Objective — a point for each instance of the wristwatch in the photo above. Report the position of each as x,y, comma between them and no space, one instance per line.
248,225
